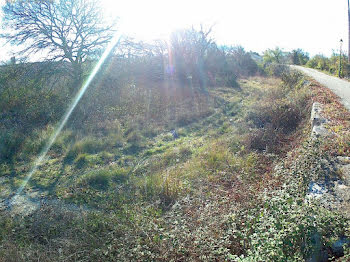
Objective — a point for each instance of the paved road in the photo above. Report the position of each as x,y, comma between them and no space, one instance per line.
338,86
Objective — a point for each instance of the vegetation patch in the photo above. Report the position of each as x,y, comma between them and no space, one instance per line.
228,186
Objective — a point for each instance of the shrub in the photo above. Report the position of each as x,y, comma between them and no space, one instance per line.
230,81
115,140
276,70
263,139
319,62
134,138
277,115
271,122
10,144
185,119
150,131
292,79
131,127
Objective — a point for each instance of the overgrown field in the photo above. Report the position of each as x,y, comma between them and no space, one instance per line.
173,174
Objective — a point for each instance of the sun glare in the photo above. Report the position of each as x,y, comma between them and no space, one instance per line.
256,25
149,20
115,40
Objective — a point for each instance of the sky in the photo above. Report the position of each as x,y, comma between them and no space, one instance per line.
316,26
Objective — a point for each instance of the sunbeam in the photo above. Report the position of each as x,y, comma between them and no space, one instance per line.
114,42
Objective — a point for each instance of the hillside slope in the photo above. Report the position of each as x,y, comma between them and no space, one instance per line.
227,182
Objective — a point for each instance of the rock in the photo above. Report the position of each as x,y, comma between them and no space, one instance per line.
343,159
316,190
345,169
316,118
318,131
317,121
174,134
342,191
343,166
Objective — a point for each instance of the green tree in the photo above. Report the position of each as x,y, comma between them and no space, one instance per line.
273,56
319,62
299,57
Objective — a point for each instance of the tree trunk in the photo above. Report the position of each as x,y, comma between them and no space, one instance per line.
77,78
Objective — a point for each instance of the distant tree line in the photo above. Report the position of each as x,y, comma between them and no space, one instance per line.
331,64
191,58
278,56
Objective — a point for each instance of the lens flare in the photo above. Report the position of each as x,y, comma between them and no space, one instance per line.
114,42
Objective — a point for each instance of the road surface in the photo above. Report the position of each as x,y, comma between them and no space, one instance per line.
338,86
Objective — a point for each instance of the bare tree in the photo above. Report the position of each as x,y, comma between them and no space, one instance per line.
68,30
189,49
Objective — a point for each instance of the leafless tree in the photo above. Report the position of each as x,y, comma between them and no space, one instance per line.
68,30
189,50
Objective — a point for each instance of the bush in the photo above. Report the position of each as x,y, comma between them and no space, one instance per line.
263,139
185,119
134,138
319,62
277,115
292,79
283,116
276,70
231,81
150,131
115,140
271,123
10,144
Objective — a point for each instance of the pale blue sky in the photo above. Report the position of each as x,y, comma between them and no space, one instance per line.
313,25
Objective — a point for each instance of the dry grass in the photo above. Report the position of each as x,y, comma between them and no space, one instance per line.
179,197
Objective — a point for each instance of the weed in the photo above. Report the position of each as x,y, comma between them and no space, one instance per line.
134,138
99,179
63,141
90,145
80,161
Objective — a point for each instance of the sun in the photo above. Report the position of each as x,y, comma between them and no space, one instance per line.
149,20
